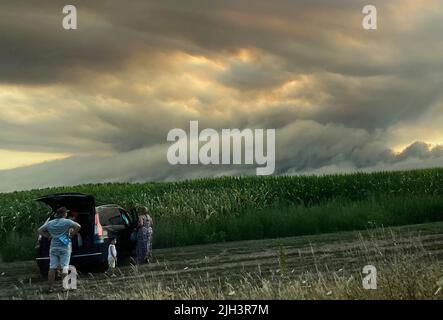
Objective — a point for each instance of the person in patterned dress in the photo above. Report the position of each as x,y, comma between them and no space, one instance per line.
145,233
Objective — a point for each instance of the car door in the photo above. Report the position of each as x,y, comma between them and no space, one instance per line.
117,223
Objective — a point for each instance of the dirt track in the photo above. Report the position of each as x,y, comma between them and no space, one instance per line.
328,252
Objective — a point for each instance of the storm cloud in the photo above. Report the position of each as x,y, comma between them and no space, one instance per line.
341,98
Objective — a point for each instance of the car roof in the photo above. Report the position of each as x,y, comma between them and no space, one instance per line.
109,208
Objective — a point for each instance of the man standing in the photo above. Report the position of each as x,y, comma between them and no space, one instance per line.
59,232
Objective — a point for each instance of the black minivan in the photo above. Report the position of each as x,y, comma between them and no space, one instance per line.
90,246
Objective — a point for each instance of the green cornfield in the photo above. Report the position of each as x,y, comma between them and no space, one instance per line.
243,208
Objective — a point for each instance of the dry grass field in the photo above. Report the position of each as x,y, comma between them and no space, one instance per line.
329,266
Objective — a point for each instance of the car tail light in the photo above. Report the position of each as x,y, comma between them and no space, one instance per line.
98,230
98,226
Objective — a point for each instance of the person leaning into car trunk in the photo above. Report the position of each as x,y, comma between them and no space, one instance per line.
59,232
145,235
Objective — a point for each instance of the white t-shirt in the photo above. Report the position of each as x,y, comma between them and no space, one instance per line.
112,252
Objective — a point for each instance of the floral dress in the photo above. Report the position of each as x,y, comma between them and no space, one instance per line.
145,235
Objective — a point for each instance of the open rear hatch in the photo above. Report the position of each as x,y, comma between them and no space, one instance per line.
83,207
72,201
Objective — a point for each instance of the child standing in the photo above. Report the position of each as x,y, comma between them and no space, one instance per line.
112,255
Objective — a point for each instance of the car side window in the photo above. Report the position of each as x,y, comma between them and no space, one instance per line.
116,220
125,219
114,216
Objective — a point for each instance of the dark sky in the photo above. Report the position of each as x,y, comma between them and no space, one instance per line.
101,99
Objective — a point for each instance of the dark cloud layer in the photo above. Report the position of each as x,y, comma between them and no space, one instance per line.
341,98
304,148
